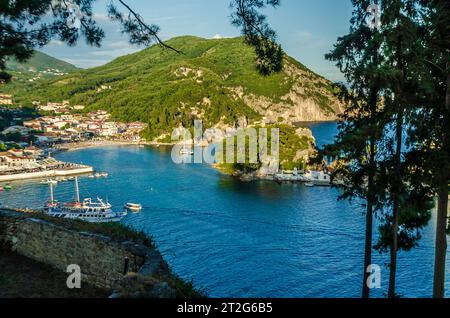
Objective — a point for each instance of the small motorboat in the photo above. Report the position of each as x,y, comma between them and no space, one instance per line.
7,187
309,184
101,175
49,181
133,207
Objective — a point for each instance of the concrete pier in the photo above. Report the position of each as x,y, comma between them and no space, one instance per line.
46,174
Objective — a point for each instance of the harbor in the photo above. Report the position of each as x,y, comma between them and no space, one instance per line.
34,163
237,232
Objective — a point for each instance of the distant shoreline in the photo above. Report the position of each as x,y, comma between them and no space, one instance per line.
67,147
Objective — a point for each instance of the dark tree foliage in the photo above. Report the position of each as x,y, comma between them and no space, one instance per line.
415,215
25,25
357,145
403,52
430,125
257,32
397,179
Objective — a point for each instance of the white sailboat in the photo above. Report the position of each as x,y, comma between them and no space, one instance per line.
87,210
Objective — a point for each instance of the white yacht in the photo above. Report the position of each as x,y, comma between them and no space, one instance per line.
88,210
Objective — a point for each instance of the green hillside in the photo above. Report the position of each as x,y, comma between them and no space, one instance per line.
213,80
40,62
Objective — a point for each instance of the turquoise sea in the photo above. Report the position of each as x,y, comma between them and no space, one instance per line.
235,239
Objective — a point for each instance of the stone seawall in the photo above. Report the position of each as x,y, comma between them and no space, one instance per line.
103,262
46,174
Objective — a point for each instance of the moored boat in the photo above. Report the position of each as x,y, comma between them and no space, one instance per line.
134,207
94,211
49,181
186,152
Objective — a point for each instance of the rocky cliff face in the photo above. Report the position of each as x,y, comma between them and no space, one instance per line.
309,99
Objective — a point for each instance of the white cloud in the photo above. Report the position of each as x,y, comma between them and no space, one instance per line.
114,52
101,17
217,37
56,42
118,44
86,63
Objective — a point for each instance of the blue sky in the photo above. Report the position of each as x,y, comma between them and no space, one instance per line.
307,29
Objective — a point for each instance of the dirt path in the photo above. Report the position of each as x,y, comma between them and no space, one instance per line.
21,277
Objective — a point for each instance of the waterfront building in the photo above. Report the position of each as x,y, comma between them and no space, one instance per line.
6,99
16,129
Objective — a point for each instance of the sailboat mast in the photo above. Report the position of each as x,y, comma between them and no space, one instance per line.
77,190
52,199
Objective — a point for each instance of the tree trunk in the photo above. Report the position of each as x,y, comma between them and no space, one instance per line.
441,242
441,227
397,189
369,221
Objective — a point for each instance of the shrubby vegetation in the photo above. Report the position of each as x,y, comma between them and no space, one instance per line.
290,144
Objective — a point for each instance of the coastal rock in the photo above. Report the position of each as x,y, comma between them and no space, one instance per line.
242,122
248,177
307,101
154,265
136,249
138,286
304,132
269,166
213,135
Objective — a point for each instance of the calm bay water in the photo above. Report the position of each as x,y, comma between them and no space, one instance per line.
239,239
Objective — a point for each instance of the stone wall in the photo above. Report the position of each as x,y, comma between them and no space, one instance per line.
101,259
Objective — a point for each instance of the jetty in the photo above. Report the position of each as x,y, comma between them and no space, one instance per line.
317,178
69,171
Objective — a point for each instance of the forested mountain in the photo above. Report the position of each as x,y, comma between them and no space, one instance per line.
213,80
39,63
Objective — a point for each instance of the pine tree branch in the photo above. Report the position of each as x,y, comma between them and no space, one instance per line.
148,29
